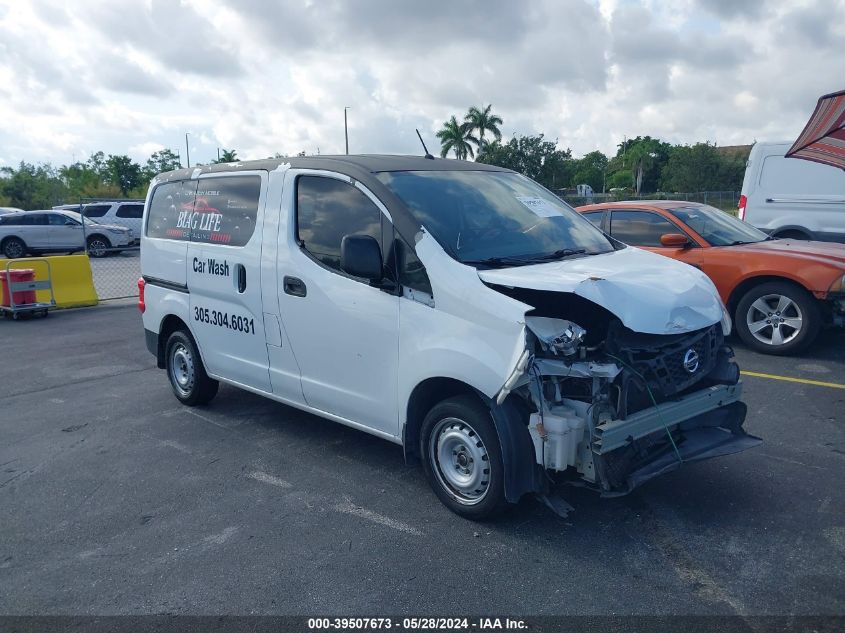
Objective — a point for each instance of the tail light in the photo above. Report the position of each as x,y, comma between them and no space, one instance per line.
742,202
141,285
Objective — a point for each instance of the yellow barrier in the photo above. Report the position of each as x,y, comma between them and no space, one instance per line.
73,284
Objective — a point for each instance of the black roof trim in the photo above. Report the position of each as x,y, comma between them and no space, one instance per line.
370,163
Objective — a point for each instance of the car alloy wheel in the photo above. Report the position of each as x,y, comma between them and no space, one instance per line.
774,319
13,249
97,247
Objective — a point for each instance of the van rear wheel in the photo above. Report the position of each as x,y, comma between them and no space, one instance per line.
462,458
191,385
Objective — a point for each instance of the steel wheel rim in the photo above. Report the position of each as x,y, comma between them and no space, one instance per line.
97,248
774,319
460,461
15,248
181,369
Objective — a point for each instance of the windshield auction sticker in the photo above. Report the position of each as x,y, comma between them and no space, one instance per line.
540,206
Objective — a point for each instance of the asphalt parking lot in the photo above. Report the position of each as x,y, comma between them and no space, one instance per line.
117,500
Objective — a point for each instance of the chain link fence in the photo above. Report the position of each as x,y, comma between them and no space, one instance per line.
724,200
112,233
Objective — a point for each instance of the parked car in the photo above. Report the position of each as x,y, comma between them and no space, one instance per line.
127,213
56,231
5,210
780,292
792,198
460,310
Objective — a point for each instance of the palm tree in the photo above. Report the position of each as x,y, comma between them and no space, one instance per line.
456,137
482,120
227,156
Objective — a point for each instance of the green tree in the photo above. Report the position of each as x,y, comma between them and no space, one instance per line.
97,164
532,156
590,170
123,172
456,137
160,162
691,168
81,181
481,120
640,161
227,156
31,186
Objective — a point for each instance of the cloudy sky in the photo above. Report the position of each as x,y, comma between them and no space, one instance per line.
267,76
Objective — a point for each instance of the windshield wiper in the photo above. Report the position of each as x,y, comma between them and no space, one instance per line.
525,260
495,262
558,254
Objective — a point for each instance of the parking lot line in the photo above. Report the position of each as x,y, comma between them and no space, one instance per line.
803,381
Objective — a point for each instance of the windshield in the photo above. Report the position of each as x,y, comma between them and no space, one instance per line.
717,227
484,217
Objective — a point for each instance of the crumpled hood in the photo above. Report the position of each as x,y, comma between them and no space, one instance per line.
649,293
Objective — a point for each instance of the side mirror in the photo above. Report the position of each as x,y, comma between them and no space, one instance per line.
674,240
360,256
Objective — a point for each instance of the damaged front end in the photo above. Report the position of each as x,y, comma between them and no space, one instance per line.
611,408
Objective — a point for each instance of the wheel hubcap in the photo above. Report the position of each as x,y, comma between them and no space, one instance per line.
97,248
774,319
460,461
181,369
14,250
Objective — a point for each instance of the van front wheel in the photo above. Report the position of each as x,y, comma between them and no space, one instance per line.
191,385
462,458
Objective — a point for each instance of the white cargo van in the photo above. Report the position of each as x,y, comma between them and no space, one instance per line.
457,309
792,198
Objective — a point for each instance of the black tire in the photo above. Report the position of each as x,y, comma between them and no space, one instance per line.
98,246
14,248
191,385
462,427
758,307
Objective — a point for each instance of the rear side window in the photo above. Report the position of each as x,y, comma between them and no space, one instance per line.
96,210
133,211
326,210
170,210
34,219
225,210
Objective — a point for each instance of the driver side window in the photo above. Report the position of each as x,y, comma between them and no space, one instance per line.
56,219
640,228
326,210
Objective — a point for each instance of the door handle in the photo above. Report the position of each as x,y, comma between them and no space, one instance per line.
294,286
240,269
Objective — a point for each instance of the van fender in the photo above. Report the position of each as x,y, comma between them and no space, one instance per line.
523,475
161,303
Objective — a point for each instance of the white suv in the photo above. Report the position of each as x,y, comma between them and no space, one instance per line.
57,231
127,213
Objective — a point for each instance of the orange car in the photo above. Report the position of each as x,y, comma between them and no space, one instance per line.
780,292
